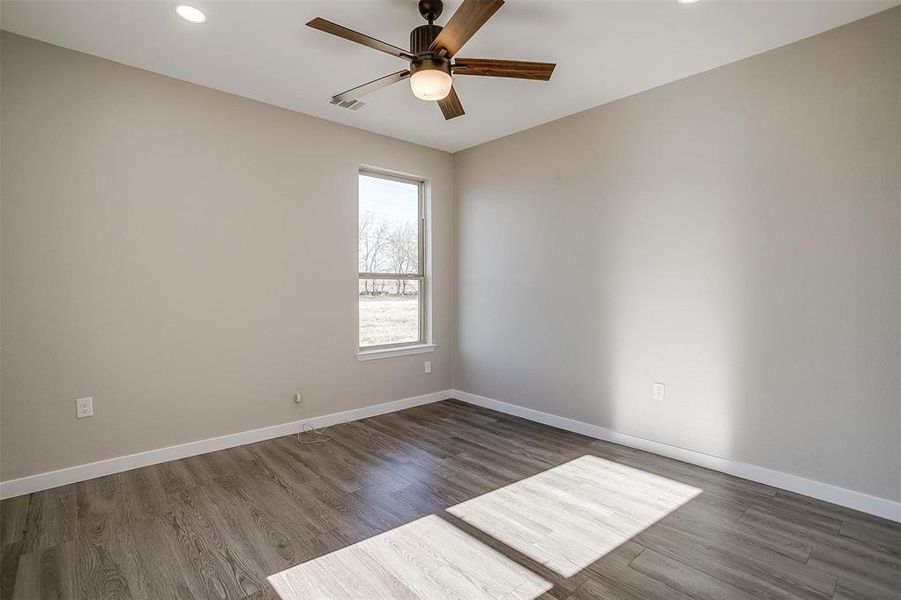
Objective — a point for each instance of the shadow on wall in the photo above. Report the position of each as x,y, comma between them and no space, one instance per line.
751,249
757,237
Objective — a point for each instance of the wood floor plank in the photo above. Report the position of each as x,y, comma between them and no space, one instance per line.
274,489
210,574
100,518
743,564
785,499
681,577
46,573
852,562
615,570
879,536
595,589
857,589
847,558
13,519
9,566
51,518
154,577
270,540
709,522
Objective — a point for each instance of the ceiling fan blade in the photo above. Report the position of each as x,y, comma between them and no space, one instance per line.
356,36
471,15
450,105
375,84
489,67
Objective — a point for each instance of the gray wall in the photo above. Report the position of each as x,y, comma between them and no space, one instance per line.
187,258
735,235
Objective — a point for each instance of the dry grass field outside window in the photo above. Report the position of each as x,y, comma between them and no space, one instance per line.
389,318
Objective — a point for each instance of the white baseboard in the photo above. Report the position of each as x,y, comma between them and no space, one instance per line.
881,507
52,479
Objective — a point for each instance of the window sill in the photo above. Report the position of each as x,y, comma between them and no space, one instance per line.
399,351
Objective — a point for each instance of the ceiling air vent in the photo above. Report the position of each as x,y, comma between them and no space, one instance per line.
349,104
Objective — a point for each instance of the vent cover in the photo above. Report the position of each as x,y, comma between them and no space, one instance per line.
349,104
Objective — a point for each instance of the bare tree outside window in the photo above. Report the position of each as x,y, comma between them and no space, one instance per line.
392,280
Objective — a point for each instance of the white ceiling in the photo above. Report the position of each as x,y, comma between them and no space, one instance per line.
262,50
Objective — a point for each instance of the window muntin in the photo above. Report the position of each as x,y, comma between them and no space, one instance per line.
391,261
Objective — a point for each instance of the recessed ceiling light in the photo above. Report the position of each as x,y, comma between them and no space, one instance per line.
688,1
193,15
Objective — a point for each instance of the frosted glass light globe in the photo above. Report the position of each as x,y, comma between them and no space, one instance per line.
431,84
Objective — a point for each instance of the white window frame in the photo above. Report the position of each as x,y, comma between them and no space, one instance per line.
423,344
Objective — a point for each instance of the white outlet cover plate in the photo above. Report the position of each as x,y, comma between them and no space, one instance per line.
659,391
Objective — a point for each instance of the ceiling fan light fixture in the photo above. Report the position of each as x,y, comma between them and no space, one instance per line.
430,79
432,49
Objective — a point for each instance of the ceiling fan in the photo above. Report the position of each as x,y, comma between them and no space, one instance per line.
432,55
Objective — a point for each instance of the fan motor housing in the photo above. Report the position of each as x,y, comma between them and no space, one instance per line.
435,63
422,37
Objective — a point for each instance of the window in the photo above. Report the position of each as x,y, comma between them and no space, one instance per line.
392,282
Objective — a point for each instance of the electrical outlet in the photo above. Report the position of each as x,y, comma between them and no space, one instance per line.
298,398
659,392
428,366
84,407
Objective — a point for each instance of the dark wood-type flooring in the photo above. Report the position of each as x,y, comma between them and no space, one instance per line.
215,526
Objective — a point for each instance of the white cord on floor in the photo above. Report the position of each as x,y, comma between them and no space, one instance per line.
307,428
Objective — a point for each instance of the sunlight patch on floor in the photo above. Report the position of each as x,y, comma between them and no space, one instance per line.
571,515
428,558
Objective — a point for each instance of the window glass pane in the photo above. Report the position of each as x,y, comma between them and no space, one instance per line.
389,311
389,226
